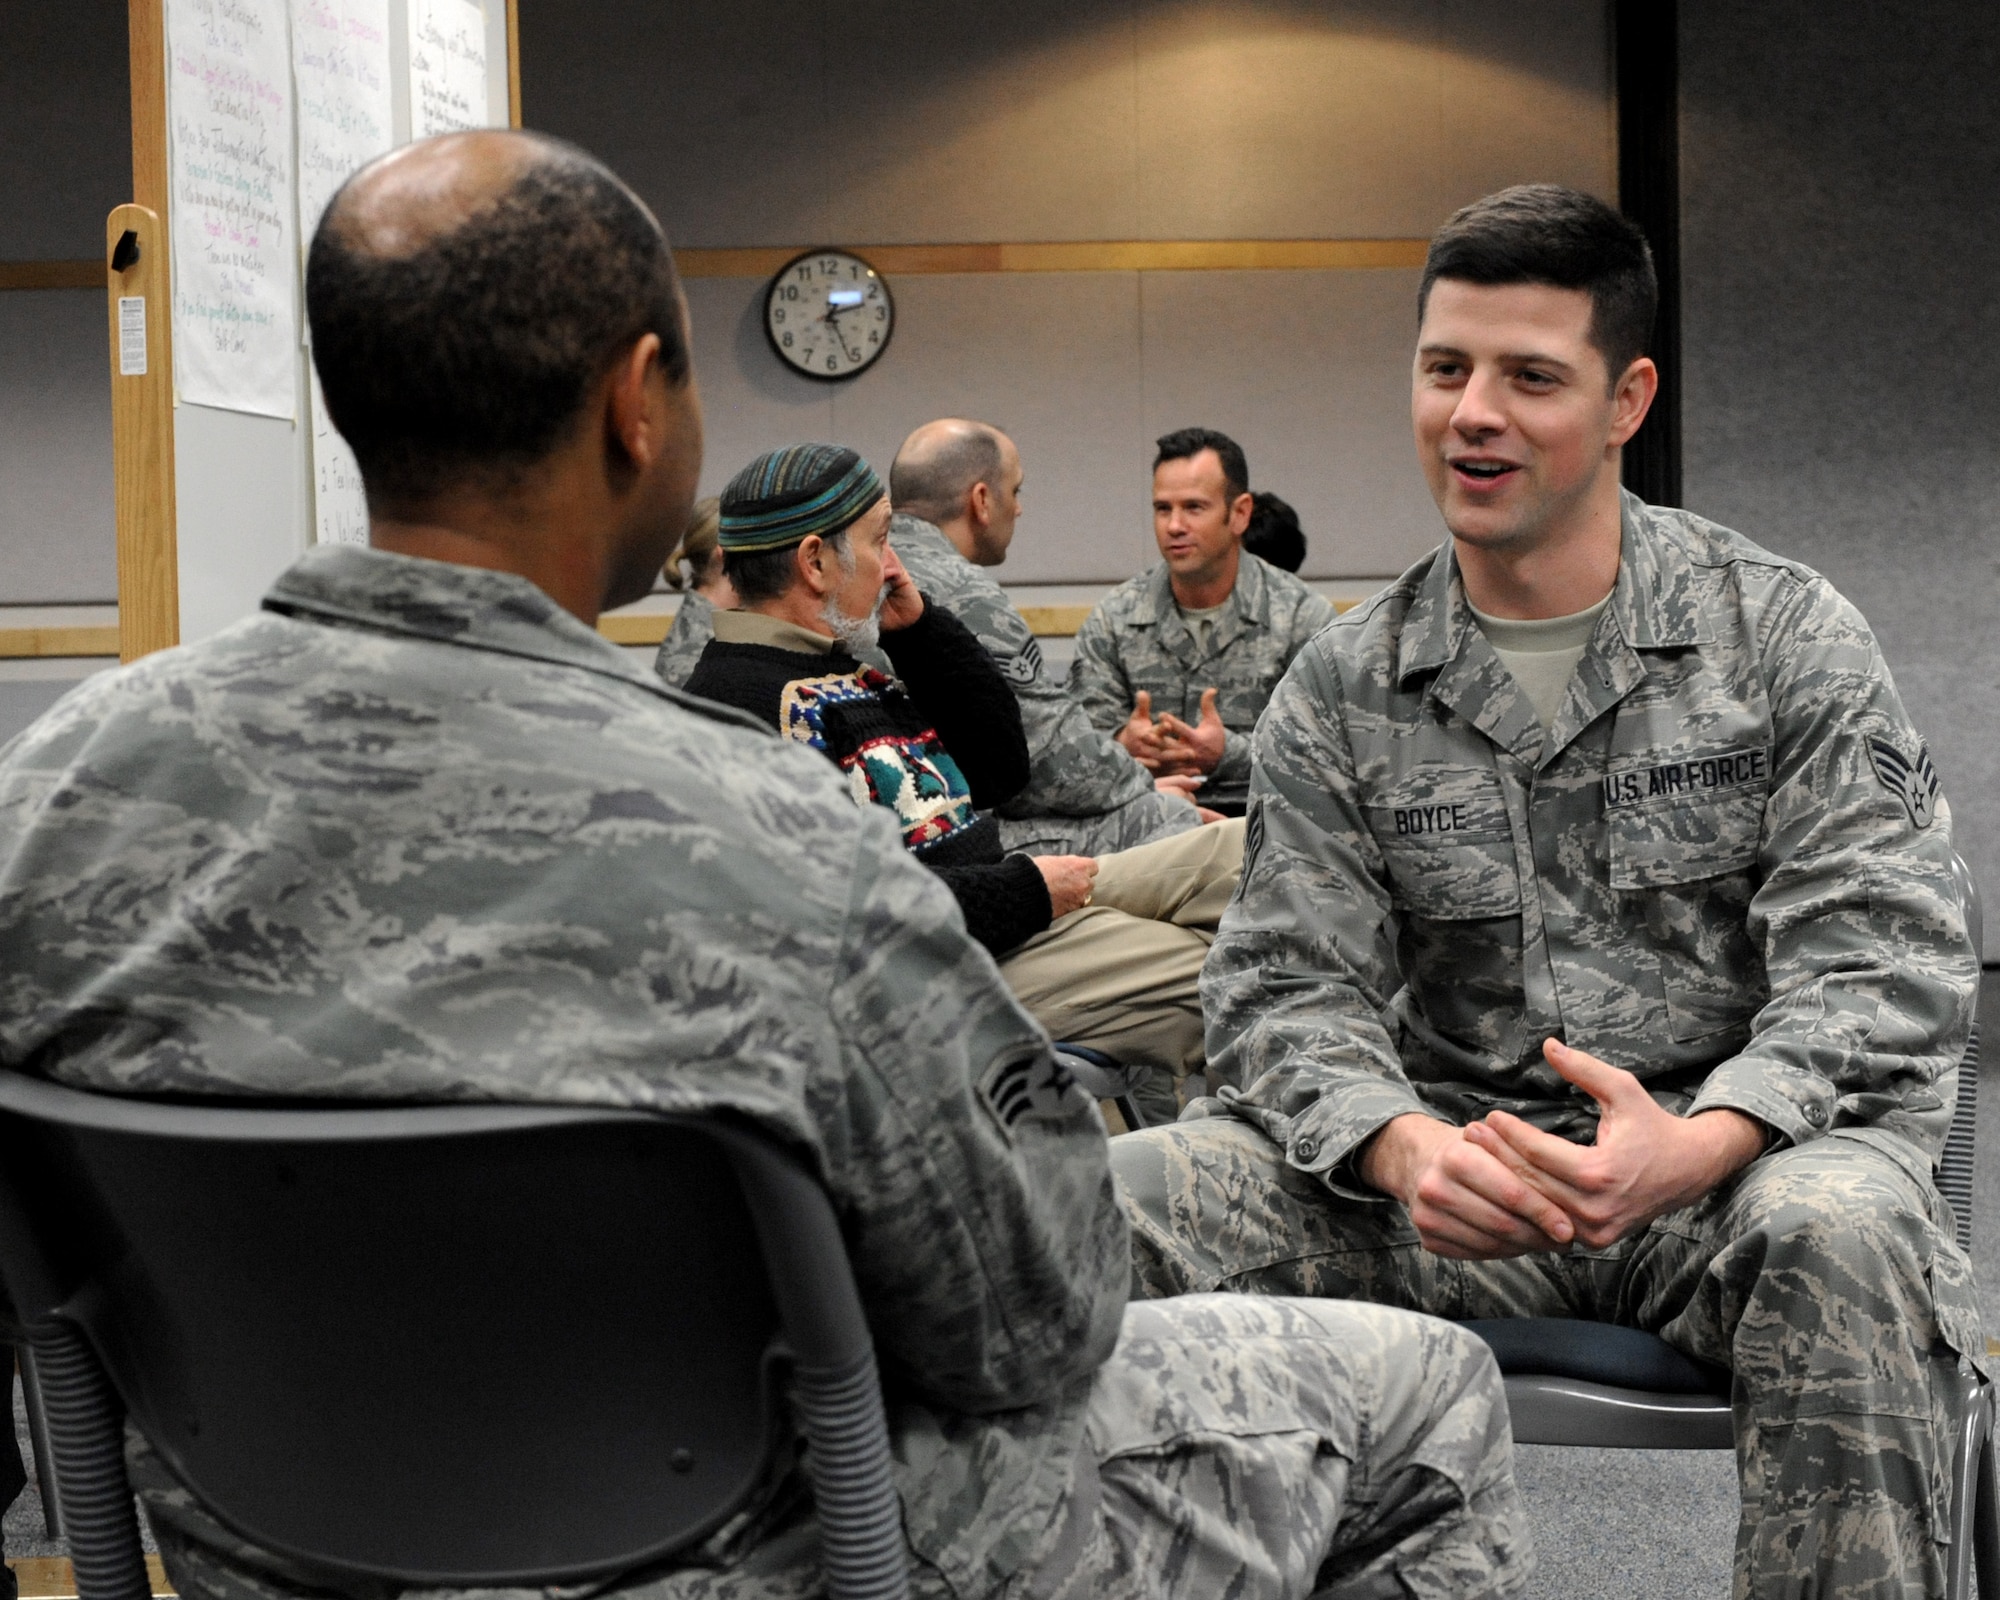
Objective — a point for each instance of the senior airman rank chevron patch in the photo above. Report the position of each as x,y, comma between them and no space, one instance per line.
1024,1086
1915,783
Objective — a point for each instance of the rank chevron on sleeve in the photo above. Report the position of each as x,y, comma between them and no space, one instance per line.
1913,783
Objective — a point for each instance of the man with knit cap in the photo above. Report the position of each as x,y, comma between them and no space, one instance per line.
1103,952
417,831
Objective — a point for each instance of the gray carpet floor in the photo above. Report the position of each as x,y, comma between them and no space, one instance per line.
1608,1524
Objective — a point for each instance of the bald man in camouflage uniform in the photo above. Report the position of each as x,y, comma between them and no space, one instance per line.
1640,1001
417,831
956,487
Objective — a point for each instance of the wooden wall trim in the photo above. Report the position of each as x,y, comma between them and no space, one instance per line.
89,640
1123,255
1047,622
513,63
51,274
635,628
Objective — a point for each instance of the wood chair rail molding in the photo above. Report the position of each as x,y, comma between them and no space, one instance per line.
1103,255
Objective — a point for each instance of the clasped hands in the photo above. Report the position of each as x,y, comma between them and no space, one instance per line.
1502,1187
1166,746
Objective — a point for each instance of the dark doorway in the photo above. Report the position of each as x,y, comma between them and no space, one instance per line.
1646,38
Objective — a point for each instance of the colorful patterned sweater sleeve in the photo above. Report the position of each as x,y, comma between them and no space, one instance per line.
877,735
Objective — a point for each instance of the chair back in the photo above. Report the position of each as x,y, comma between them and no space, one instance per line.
466,1346
1956,1162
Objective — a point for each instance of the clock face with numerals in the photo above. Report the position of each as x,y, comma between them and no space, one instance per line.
828,314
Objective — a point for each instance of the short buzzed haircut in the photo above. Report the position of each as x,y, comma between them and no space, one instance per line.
1544,233
1184,444
933,485
470,357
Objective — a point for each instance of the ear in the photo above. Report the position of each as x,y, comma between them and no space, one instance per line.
1632,398
635,426
809,561
979,504
1239,514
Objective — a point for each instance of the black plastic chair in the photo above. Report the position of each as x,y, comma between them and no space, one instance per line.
1572,1382
461,1346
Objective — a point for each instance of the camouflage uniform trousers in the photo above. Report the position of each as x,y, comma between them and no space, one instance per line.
1262,1449
1824,1276
1122,975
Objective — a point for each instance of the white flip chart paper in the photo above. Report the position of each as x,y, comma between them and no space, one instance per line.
340,509
447,67
229,119
340,64
340,69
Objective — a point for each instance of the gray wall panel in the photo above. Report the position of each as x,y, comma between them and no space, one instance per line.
968,121
750,402
1839,183
952,121
1051,357
1310,373
58,534
65,126
955,121
715,113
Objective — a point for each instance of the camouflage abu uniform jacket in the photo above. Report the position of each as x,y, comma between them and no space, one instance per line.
415,832
1085,794
694,626
1724,870
1136,638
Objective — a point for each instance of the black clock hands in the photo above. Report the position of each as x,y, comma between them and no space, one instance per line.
831,319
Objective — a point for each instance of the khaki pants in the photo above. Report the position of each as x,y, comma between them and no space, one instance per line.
1121,975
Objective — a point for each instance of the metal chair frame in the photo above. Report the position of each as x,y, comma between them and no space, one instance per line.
1103,1078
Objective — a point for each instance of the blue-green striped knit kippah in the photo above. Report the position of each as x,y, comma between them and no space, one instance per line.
784,495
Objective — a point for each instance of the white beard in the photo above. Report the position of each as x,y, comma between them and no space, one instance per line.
857,635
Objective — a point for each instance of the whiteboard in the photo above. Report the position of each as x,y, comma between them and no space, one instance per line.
244,489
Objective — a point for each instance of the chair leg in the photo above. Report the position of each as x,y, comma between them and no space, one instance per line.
38,1437
1968,1460
1986,1509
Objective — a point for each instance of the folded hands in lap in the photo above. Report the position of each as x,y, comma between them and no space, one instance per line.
1502,1187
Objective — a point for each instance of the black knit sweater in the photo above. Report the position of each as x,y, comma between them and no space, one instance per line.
940,745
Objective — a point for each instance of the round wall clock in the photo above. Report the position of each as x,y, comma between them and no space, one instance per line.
828,315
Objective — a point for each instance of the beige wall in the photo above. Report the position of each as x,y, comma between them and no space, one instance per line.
776,122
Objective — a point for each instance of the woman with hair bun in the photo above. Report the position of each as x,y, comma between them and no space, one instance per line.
704,588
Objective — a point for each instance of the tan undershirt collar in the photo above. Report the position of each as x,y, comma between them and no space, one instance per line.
1541,652
754,627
